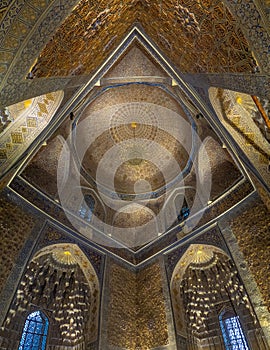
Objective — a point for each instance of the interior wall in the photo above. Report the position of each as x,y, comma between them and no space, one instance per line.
135,304
251,229
119,307
16,225
134,308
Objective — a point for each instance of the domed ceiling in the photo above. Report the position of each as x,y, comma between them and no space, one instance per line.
135,154
134,146
139,153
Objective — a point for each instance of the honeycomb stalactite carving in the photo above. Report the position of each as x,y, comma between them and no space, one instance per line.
205,282
56,284
205,36
15,227
200,288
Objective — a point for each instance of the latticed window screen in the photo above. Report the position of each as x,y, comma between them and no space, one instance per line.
35,332
232,333
87,208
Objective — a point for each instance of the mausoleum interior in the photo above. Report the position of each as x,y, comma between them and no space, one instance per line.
134,175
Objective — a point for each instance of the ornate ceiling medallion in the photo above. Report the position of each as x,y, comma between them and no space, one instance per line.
133,120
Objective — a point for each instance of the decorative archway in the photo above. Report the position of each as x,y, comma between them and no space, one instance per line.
205,280
60,281
25,122
242,118
134,225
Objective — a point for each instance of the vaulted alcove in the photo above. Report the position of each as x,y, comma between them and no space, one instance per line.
204,286
60,283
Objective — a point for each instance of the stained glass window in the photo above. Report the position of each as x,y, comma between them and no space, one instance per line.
233,336
87,208
35,332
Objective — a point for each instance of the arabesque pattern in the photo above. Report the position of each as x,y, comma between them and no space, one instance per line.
198,36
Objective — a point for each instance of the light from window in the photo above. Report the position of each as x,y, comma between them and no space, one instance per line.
87,208
35,332
232,333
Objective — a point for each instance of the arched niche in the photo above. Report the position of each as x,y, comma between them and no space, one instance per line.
222,170
242,117
26,121
76,201
100,210
42,169
181,197
213,173
134,225
61,282
204,282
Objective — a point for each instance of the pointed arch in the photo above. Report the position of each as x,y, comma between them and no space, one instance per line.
61,281
27,120
195,252
78,257
35,331
241,117
173,207
205,282
67,265
81,200
232,332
